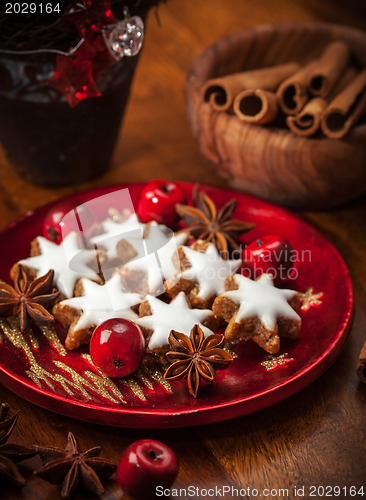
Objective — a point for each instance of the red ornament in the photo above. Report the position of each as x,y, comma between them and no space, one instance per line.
146,465
74,79
117,347
76,74
94,16
269,254
157,202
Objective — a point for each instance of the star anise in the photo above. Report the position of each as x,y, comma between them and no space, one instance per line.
10,454
206,223
70,467
29,300
196,358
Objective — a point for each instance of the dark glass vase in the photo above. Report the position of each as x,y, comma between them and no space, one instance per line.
46,140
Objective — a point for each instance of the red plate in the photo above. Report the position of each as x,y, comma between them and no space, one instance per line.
39,370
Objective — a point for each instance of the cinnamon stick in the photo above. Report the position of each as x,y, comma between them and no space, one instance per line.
307,122
256,106
220,92
326,71
293,93
361,365
345,109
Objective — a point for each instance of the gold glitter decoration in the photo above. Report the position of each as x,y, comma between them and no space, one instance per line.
51,335
158,376
232,353
15,324
143,374
87,358
66,384
103,382
309,299
33,339
275,361
154,371
38,374
75,383
134,387
35,372
13,333
140,374
128,382
99,385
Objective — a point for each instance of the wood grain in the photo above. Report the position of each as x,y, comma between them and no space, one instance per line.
317,437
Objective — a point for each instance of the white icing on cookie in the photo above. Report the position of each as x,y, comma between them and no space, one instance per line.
150,267
114,231
209,270
113,228
101,302
153,243
153,237
174,316
156,259
59,258
95,318
261,298
165,254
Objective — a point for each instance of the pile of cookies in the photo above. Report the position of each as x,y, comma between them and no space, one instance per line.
162,281
186,290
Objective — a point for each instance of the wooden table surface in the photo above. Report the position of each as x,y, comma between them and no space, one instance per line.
316,437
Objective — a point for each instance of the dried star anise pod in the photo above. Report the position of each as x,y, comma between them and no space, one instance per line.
70,466
196,357
28,299
206,223
10,454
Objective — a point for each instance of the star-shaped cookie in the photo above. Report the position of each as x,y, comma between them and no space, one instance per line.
113,231
68,259
258,310
177,315
97,304
147,271
203,275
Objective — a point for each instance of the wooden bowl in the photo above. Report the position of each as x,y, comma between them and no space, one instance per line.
267,161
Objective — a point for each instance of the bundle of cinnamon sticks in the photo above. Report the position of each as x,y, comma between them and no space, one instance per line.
326,95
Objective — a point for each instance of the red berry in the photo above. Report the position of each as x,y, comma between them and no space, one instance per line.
145,465
157,202
64,217
269,254
117,347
